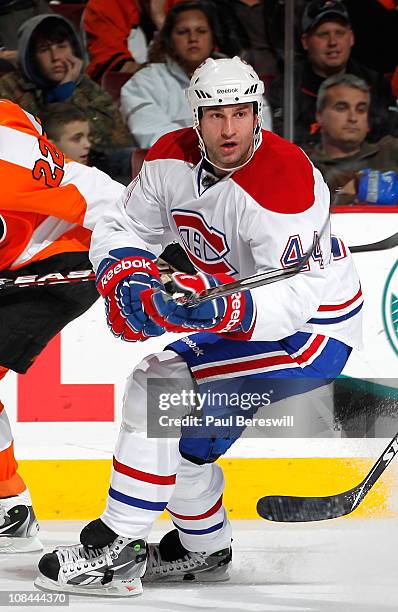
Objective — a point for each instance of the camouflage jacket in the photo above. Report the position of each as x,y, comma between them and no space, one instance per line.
108,130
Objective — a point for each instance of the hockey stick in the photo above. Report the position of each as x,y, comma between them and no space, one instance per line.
58,278
292,509
77,276
259,280
53,278
382,245
250,282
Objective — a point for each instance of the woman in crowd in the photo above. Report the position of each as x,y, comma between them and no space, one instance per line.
153,100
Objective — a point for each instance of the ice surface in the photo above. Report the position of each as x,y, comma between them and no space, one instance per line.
345,565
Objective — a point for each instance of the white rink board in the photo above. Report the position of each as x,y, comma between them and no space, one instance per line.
91,355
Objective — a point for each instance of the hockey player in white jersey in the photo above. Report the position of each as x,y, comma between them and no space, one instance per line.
241,201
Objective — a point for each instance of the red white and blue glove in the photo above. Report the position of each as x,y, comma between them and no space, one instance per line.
235,313
121,278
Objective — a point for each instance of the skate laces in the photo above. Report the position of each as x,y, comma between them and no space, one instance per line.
157,565
71,556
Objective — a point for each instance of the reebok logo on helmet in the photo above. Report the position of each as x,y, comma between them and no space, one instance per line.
226,90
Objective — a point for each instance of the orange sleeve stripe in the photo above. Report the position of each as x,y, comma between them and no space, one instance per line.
76,240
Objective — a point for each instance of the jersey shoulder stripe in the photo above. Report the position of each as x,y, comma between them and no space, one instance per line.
275,167
181,145
13,116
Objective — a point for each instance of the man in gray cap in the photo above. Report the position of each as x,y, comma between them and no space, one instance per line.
327,38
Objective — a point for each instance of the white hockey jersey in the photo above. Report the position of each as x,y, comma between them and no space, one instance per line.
264,216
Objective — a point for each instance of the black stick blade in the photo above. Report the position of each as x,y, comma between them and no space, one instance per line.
290,509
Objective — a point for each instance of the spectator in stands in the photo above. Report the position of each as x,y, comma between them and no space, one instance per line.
13,13
244,31
68,128
257,49
327,38
355,169
115,40
51,70
153,101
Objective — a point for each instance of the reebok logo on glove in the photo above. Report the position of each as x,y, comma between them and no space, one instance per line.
235,315
132,264
121,278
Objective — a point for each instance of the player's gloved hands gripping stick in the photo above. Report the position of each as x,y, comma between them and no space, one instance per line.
232,313
121,278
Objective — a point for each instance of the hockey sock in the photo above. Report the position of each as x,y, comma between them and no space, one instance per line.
10,482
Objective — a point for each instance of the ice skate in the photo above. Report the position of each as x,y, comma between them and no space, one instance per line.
169,561
103,564
18,525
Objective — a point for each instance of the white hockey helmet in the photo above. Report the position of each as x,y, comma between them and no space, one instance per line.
225,81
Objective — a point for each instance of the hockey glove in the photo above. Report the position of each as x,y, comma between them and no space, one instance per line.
378,187
121,278
230,314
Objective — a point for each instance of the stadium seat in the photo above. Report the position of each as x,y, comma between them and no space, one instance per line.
73,12
267,80
137,159
112,82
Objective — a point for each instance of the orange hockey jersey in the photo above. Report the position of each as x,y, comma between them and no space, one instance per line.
48,204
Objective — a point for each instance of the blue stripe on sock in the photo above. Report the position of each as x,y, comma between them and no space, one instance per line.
134,501
200,531
337,319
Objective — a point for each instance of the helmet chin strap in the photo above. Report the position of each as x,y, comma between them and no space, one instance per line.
255,146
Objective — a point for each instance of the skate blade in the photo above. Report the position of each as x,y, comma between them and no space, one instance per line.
127,588
20,545
204,577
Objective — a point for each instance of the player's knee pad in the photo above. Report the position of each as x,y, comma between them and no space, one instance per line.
166,366
197,481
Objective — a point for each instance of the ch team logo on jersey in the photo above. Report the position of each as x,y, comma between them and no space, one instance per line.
390,307
207,246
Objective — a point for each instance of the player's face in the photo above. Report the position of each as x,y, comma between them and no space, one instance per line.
192,38
328,47
344,120
227,132
51,58
74,141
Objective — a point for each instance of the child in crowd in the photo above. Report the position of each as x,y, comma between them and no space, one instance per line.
69,129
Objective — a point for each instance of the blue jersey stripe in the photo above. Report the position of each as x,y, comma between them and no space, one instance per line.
337,319
135,501
200,531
